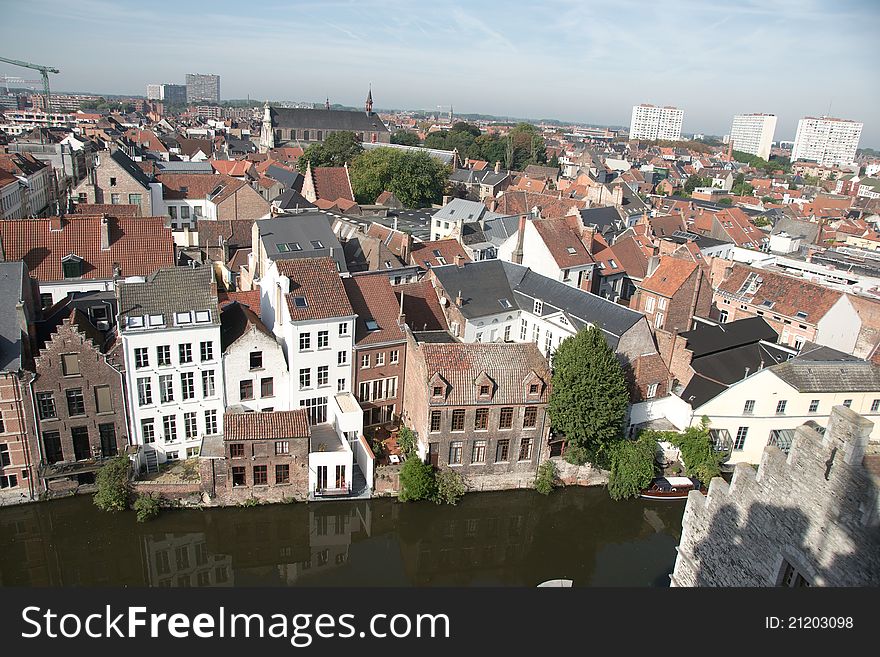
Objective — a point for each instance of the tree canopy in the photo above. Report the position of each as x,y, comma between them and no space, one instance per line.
114,487
416,178
417,481
523,146
693,181
405,138
699,455
756,162
336,150
590,396
632,466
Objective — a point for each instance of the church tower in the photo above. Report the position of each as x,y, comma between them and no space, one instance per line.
368,106
267,135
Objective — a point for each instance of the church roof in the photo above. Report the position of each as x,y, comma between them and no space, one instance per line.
324,119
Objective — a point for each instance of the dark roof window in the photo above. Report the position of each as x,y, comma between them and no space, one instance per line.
300,302
372,325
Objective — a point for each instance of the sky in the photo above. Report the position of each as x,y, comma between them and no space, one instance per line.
582,61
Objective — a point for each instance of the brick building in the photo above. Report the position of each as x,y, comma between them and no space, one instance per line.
673,293
478,408
119,180
262,455
76,394
379,347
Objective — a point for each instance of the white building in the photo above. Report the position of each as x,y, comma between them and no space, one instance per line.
651,123
254,367
826,140
753,133
303,302
552,248
170,328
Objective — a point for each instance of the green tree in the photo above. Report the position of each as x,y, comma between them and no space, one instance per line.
415,178
632,466
405,138
406,440
760,222
701,459
417,481
114,485
336,150
450,487
725,201
146,506
589,395
695,181
545,479
768,199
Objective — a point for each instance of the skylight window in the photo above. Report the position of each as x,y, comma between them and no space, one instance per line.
505,303
436,253
182,318
300,302
157,320
135,322
294,246
572,250
613,264
316,244
282,248
441,260
801,314
767,303
372,325
203,316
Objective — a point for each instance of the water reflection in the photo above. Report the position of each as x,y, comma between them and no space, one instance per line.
515,538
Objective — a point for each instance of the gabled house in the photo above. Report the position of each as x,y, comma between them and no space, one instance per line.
675,291
552,248
116,180
36,182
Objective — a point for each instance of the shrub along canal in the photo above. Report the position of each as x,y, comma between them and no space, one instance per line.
513,538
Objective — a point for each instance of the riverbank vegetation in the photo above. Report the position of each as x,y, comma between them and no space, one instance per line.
115,491
632,466
698,453
545,479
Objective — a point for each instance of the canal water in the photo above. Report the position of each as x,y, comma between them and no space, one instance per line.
515,538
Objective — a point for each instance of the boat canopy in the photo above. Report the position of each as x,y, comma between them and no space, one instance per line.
679,481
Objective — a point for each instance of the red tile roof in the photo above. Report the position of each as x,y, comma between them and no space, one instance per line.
393,239
373,298
332,183
250,299
552,206
272,425
560,240
97,209
422,306
234,168
140,245
317,281
423,253
193,186
669,276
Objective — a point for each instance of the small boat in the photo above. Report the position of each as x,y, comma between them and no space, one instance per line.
556,584
670,488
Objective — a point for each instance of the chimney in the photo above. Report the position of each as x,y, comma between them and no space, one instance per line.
105,233
459,260
497,166
517,254
2,250
54,224
407,248
458,299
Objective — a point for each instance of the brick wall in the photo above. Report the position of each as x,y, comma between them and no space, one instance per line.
374,372
245,204
103,190
14,439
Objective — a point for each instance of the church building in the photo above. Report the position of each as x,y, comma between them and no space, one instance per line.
295,126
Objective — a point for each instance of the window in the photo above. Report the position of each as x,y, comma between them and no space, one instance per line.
52,445
340,385
70,364
45,300
323,375
115,199
548,341
46,406
342,358
80,438
438,391
169,428
455,449
536,334
814,406
256,360
365,361
740,441
875,405
661,303
112,181
282,473
163,355
207,350
394,357
780,407
238,476
523,329
166,389
525,449
172,211
261,475
791,578
305,378
145,391
649,304
185,353
236,450
749,407
76,403
484,391
305,341
246,390
652,391
658,320
8,481
323,339
502,450
847,402
380,359
211,422
282,447
190,426
479,337
458,419
184,212
478,453
481,419
134,199
208,383
505,421
530,417
539,307
141,358
435,421
148,430
267,387
103,400
4,455
343,328
316,408
723,317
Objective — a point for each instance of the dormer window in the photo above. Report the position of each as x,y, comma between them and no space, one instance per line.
135,322
316,244
438,391
182,318
539,306
484,391
203,316
534,388
72,266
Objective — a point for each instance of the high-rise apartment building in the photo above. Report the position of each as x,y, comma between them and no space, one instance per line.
826,140
753,133
651,122
200,87
173,94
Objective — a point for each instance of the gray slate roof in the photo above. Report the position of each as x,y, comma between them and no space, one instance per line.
184,167
485,283
302,229
829,376
11,276
464,210
446,157
168,291
324,119
130,167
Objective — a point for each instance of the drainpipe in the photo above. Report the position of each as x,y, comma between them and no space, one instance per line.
19,402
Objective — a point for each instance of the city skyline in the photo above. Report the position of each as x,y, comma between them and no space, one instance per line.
579,64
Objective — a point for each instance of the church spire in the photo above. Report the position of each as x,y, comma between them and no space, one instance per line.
327,103
368,106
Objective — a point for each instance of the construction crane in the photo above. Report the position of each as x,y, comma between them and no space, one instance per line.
45,70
